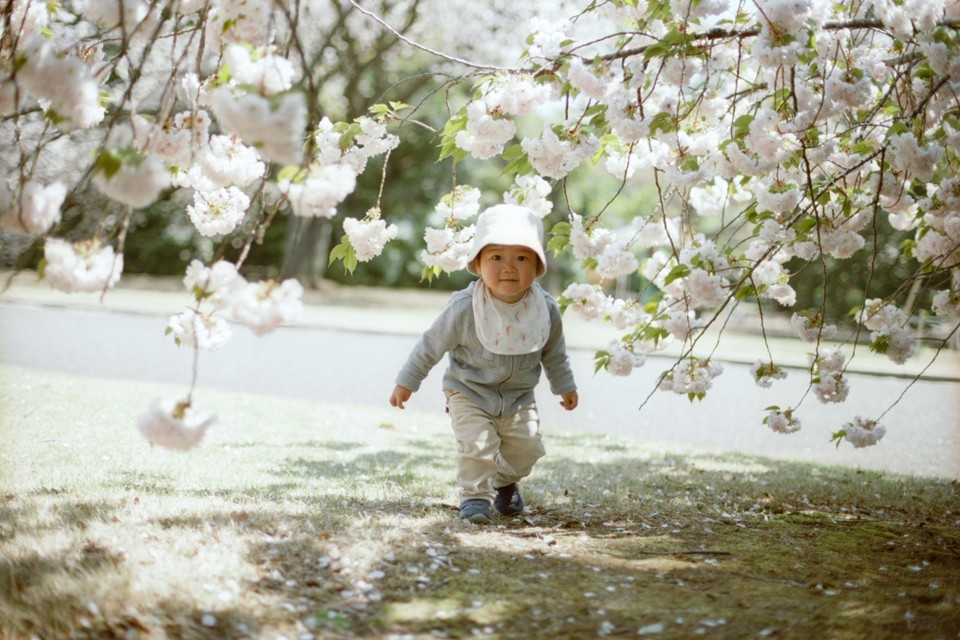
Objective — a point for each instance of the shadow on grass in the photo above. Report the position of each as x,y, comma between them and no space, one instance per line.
672,545
380,466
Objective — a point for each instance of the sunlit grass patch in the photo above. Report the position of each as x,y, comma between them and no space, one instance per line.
302,519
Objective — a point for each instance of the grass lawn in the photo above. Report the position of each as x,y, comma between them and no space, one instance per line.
299,519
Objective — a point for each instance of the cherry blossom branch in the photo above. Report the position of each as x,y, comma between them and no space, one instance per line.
920,375
427,49
719,33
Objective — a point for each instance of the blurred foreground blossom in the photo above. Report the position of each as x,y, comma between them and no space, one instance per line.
37,210
81,266
262,306
205,331
174,424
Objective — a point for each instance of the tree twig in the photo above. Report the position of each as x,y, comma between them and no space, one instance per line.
432,52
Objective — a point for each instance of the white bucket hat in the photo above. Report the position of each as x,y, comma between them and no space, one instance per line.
512,225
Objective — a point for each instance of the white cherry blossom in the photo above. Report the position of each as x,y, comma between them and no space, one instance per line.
263,306
485,135
323,189
862,432
85,266
368,236
174,424
36,210
135,184
217,213
206,331
782,421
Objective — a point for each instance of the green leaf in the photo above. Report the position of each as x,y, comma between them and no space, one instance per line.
348,133
561,228
880,345
200,294
741,126
658,50
805,224
429,273
291,173
448,145
512,152
560,237
897,128
109,163
746,290
345,253
519,163
600,360
223,76
557,244
907,247
679,271
663,121
864,148
838,437
653,334
675,36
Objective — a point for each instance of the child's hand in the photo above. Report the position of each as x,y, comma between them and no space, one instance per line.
399,396
569,401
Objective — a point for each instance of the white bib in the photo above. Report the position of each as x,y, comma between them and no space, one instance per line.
511,329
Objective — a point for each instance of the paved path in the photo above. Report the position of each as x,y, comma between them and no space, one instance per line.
348,349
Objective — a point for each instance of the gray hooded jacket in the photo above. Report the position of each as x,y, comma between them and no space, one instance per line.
499,384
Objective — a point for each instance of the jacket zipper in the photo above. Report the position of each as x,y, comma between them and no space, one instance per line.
513,364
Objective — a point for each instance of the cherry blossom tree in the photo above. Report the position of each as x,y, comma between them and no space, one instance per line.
777,136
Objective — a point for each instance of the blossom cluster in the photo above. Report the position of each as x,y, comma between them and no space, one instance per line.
862,432
590,301
764,373
35,210
622,360
174,424
369,236
829,383
220,290
890,334
85,266
782,421
691,377
810,327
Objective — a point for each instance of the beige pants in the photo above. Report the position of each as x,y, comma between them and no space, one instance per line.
494,451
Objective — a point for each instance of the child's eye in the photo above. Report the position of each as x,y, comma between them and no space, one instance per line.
522,258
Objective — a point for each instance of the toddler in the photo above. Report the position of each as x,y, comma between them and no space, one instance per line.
497,333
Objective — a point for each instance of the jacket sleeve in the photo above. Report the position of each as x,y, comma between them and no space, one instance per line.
442,336
554,358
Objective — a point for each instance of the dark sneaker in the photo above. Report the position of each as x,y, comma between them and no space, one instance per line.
509,502
476,511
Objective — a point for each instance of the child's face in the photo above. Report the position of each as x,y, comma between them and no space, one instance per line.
507,270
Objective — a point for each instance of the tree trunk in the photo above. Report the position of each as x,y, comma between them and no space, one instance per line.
306,250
